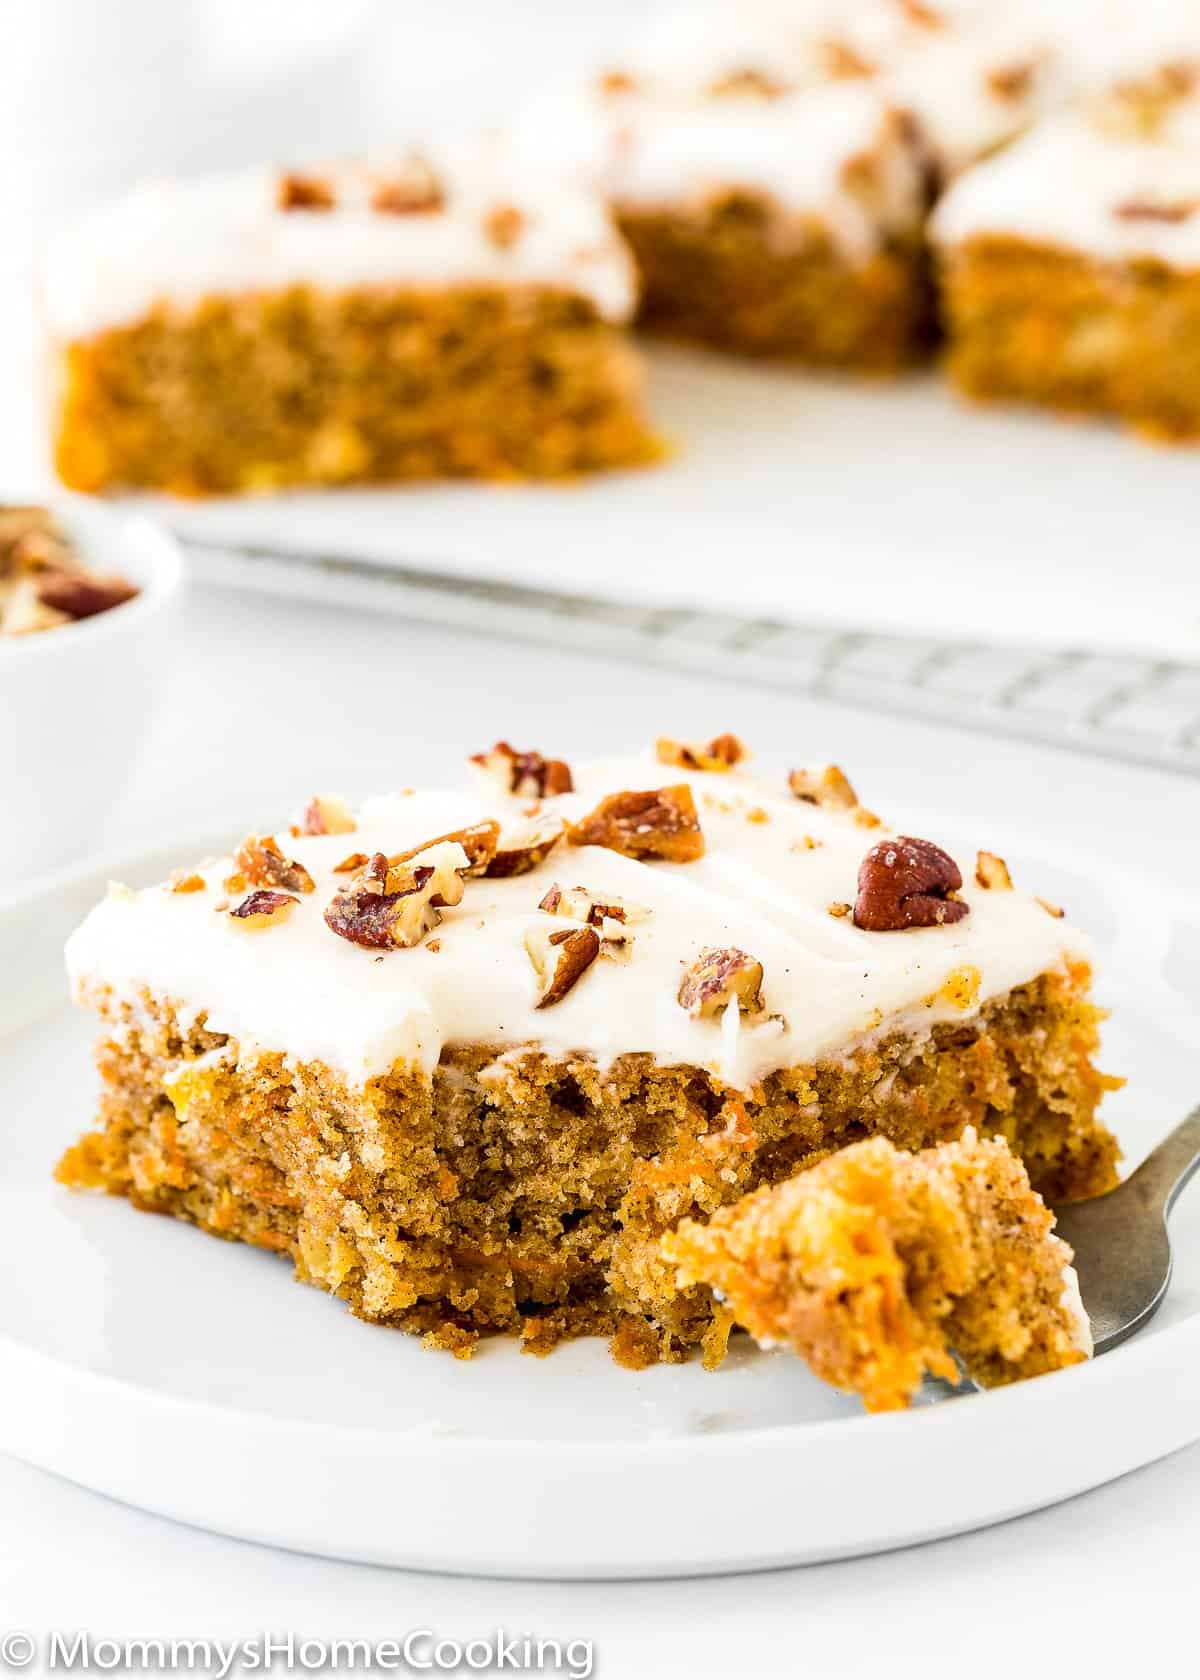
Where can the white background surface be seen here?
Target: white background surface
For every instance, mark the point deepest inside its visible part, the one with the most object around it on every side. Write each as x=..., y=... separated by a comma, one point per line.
x=268, y=698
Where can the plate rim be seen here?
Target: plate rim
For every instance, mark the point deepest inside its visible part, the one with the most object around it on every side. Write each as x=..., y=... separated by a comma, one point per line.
x=1054, y=1406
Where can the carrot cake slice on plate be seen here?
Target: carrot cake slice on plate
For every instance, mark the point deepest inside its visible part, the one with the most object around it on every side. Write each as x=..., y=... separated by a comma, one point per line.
x=432, y=318
x=465, y=1057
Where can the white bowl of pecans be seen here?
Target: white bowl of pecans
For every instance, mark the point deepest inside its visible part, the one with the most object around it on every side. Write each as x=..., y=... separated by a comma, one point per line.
x=86, y=598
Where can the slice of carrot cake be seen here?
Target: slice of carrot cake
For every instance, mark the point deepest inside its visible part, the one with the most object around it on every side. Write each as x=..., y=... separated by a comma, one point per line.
x=875, y=1264
x=764, y=220
x=430, y=319
x=1070, y=265
x=464, y=1057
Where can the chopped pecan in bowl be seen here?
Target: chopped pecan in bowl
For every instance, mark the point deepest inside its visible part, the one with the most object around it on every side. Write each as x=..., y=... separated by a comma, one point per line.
x=659, y=823
x=44, y=582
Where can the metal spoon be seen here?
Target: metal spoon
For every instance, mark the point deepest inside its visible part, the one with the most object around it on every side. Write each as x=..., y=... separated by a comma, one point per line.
x=1122, y=1249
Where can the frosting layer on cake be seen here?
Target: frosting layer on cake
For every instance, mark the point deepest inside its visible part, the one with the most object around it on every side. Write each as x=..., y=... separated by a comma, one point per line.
x=776, y=881
x=177, y=242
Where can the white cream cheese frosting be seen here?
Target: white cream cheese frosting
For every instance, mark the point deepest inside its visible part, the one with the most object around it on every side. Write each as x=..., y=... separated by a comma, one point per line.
x=178, y=241
x=772, y=868
x=1072, y=185
x=653, y=149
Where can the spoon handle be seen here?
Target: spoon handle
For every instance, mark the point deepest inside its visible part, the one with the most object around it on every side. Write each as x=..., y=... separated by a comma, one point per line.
x=1168, y=1167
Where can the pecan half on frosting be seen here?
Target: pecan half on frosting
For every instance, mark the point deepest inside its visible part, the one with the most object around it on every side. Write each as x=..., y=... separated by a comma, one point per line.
x=262, y=864
x=79, y=596
x=721, y=753
x=907, y=883
x=658, y=823
x=721, y=976
x=559, y=957
x=392, y=905
x=526, y=774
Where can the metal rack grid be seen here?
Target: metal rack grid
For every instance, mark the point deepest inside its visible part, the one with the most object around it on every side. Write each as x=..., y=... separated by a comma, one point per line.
x=1141, y=710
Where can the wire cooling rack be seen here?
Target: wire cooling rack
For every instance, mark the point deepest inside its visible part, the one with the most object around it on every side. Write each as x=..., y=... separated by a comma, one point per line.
x=1142, y=710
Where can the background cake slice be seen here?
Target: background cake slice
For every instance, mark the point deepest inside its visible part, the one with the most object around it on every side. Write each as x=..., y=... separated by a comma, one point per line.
x=465, y=1057
x=427, y=319
x=764, y=220
x=1070, y=265
x=875, y=1264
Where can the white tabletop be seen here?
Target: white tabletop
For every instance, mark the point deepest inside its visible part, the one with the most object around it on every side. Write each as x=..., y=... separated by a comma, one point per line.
x=270, y=700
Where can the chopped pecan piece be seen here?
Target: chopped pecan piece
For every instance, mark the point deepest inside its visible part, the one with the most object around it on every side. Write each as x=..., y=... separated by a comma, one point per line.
x=906, y=883
x=583, y=906
x=756, y=83
x=326, y=813
x=503, y=226
x=842, y=61
x=414, y=190
x=262, y=864
x=721, y=753
x=77, y=595
x=1157, y=210
x=479, y=842
x=305, y=192
x=518, y=857
x=263, y=909
x=1012, y=81
x=718, y=977
x=992, y=872
x=827, y=787
x=559, y=956
x=659, y=823
x=187, y=881
x=394, y=905
x=616, y=81
x=526, y=774
x=611, y=917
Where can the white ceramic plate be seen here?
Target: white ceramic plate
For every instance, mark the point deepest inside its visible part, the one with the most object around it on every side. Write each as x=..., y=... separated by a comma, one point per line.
x=884, y=506
x=195, y=1379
